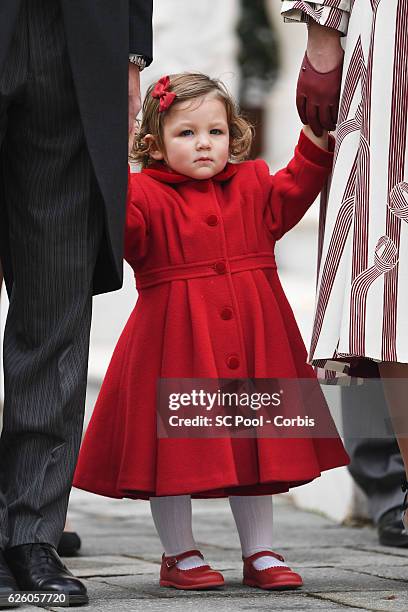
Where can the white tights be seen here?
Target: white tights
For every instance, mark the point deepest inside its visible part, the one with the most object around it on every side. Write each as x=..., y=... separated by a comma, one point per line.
x=253, y=517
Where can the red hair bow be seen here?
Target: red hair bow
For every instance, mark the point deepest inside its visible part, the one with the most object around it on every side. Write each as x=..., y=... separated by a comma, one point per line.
x=161, y=90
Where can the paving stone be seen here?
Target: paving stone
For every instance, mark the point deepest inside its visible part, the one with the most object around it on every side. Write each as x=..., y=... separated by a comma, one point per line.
x=379, y=601
x=108, y=565
x=27, y=608
x=343, y=568
x=390, y=571
x=389, y=550
x=341, y=579
x=267, y=603
x=315, y=580
x=344, y=557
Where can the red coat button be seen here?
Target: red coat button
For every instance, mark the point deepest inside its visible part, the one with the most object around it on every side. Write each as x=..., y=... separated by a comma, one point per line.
x=220, y=267
x=212, y=220
x=233, y=362
x=226, y=313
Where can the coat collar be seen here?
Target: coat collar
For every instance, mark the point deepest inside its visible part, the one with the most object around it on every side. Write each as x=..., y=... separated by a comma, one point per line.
x=162, y=173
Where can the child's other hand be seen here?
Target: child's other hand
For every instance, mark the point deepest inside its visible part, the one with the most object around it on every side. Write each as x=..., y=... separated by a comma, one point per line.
x=321, y=141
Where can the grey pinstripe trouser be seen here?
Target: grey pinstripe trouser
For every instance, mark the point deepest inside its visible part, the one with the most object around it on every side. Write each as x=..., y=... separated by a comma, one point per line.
x=55, y=226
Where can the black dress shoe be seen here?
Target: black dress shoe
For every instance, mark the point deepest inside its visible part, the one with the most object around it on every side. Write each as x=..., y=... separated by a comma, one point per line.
x=37, y=567
x=69, y=544
x=391, y=530
x=8, y=585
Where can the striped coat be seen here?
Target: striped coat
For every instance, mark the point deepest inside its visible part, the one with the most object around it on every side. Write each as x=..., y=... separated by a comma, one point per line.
x=362, y=290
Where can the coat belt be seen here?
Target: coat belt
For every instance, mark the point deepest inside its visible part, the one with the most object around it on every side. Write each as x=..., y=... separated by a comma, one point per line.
x=210, y=267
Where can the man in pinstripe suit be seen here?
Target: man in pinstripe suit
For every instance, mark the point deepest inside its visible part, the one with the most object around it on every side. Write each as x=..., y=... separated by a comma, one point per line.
x=66, y=68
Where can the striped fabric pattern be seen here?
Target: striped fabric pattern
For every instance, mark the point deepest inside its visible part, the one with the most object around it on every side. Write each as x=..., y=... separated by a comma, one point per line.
x=362, y=293
x=55, y=220
x=329, y=13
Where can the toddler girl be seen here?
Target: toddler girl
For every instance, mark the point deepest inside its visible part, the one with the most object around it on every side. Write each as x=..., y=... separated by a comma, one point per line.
x=200, y=234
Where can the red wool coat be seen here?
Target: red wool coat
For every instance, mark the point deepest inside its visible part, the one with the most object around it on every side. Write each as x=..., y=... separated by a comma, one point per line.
x=210, y=305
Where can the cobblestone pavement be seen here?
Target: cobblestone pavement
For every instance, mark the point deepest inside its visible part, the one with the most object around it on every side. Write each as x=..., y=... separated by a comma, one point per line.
x=343, y=568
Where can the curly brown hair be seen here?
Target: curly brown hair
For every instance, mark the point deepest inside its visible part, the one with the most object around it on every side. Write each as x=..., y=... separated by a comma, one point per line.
x=187, y=86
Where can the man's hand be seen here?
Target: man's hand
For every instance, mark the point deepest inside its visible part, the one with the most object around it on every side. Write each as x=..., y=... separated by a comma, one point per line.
x=135, y=101
x=318, y=88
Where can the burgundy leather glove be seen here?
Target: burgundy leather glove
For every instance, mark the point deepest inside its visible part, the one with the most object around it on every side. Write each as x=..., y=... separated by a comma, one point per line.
x=317, y=96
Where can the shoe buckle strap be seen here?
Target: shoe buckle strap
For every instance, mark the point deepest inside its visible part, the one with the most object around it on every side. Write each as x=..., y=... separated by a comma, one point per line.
x=264, y=553
x=172, y=561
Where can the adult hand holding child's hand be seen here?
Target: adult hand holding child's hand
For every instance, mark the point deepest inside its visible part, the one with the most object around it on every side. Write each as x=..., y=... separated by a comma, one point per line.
x=318, y=88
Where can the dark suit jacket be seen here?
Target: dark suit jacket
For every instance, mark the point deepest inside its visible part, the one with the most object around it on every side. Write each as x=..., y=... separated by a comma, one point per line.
x=101, y=33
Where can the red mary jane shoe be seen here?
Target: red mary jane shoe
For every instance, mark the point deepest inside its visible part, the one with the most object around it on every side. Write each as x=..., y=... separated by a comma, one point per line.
x=197, y=578
x=273, y=578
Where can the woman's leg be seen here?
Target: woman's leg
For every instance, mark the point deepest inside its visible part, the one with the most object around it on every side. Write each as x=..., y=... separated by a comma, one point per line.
x=395, y=382
x=172, y=517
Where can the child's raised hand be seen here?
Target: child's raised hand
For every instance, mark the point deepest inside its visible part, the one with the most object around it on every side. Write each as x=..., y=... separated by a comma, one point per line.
x=321, y=141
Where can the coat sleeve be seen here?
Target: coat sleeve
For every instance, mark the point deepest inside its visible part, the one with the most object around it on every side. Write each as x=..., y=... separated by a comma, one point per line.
x=140, y=28
x=136, y=225
x=290, y=192
x=330, y=13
